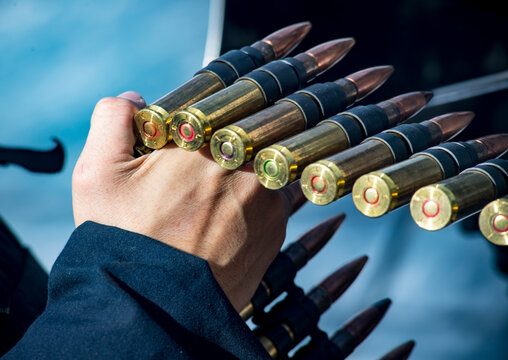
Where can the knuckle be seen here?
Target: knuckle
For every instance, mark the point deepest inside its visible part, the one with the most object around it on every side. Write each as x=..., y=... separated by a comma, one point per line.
x=113, y=106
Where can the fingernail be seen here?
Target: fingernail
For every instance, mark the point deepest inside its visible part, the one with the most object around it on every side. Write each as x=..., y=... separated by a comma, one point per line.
x=133, y=97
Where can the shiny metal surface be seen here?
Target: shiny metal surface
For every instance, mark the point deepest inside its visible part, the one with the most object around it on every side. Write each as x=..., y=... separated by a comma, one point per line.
x=292, y=155
x=494, y=221
x=436, y=206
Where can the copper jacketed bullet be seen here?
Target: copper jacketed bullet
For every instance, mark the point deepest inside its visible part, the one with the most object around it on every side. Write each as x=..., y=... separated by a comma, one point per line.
x=236, y=144
x=345, y=340
x=282, y=163
x=152, y=122
x=293, y=318
x=394, y=185
x=436, y=206
x=193, y=126
x=401, y=352
x=281, y=273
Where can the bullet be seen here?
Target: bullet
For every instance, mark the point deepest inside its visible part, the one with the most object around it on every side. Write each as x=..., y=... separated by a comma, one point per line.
x=401, y=352
x=282, y=163
x=152, y=122
x=293, y=318
x=494, y=221
x=236, y=144
x=345, y=340
x=329, y=179
x=281, y=273
x=436, y=206
x=395, y=184
x=192, y=127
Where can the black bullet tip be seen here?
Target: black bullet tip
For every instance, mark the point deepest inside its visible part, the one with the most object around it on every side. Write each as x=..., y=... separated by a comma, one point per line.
x=382, y=305
x=428, y=95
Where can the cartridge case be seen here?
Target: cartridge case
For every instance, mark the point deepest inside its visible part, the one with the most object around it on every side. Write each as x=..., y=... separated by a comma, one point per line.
x=327, y=180
x=194, y=124
x=379, y=192
x=436, y=206
x=295, y=113
x=282, y=163
x=152, y=122
x=494, y=221
x=235, y=144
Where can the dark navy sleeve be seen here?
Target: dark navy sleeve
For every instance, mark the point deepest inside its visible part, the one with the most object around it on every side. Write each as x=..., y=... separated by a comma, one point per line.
x=114, y=294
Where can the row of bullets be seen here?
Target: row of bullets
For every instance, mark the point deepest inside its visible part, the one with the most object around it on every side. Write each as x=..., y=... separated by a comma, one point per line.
x=295, y=317
x=249, y=105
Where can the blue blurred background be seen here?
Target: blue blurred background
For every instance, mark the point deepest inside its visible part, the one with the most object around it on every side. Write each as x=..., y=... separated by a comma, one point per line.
x=59, y=58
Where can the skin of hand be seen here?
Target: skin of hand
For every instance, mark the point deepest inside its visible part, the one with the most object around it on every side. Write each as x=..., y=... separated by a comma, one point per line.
x=183, y=199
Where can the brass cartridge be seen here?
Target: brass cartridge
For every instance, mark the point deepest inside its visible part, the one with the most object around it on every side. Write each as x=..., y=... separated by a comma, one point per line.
x=282, y=163
x=193, y=126
x=152, y=122
x=236, y=144
x=494, y=221
x=397, y=183
x=436, y=206
x=329, y=179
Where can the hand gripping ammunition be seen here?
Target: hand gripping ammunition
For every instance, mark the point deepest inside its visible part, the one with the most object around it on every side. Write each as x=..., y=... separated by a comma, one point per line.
x=395, y=184
x=282, y=163
x=237, y=143
x=329, y=179
x=494, y=221
x=152, y=122
x=345, y=340
x=401, y=352
x=436, y=206
x=297, y=315
x=281, y=273
x=192, y=127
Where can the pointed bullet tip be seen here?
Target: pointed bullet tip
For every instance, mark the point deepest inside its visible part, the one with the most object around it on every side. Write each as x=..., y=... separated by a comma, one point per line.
x=341, y=279
x=496, y=144
x=329, y=53
x=337, y=220
x=382, y=305
x=370, y=79
x=428, y=95
x=283, y=41
x=452, y=124
x=401, y=352
x=408, y=104
x=317, y=237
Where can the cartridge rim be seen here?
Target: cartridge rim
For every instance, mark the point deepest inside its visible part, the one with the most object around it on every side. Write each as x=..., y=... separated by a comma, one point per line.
x=275, y=167
x=152, y=126
x=373, y=194
x=494, y=222
x=433, y=207
x=231, y=147
x=190, y=129
x=322, y=182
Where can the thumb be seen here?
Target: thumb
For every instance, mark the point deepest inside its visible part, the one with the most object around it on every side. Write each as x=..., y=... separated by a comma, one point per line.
x=111, y=134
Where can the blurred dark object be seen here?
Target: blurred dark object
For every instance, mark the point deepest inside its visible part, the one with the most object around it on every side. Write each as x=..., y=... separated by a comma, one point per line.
x=502, y=258
x=430, y=43
x=23, y=289
x=50, y=161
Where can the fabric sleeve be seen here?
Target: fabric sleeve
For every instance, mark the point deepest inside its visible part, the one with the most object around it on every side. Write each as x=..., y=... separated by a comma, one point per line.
x=114, y=294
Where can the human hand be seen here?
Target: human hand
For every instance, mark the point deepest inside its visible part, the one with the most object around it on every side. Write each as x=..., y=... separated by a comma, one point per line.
x=183, y=199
